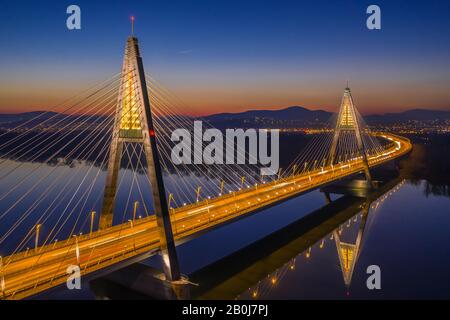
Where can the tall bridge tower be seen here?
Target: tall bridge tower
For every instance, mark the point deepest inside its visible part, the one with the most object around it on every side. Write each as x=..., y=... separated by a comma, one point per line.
x=133, y=124
x=348, y=123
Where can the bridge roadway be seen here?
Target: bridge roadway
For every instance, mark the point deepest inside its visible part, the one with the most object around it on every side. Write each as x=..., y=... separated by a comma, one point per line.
x=28, y=273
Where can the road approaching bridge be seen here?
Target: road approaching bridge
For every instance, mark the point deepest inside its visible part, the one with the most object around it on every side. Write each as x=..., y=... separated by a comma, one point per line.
x=27, y=273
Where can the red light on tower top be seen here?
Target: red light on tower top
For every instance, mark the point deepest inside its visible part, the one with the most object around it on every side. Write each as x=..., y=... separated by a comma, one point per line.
x=132, y=25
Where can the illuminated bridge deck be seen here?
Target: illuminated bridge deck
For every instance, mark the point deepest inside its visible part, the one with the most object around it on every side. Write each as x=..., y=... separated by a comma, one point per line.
x=28, y=273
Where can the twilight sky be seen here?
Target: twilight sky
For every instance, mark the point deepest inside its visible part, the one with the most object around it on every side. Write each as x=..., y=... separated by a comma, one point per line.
x=228, y=56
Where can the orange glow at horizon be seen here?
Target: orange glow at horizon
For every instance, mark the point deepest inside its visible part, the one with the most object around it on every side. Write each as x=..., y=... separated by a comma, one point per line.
x=202, y=99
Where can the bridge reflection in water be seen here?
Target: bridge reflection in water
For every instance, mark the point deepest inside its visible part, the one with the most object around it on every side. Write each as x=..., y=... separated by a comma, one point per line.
x=253, y=271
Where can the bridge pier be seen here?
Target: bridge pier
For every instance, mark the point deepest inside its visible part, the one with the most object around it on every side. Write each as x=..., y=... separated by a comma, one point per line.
x=327, y=197
x=356, y=188
x=139, y=281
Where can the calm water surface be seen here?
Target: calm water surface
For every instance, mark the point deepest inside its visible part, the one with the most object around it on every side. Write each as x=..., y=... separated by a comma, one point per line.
x=406, y=233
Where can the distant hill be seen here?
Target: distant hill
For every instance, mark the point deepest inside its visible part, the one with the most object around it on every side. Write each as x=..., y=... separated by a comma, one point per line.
x=290, y=117
x=409, y=115
x=18, y=117
x=31, y=119
x=290, y=113
x=294, y=116
x=300, y=116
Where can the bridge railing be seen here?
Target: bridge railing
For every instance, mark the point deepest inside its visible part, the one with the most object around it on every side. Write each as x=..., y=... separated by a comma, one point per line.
x=71, y=241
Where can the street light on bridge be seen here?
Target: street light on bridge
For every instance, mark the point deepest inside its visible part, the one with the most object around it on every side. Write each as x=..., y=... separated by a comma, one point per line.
x=36, y=240
x=135, y=207
x=2, y=277
x=92, y=222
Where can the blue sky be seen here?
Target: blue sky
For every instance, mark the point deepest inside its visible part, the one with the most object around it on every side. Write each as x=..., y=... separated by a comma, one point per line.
x=222, y=56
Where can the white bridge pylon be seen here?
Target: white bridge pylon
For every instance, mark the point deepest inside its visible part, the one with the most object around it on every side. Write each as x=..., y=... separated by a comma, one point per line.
x=133, y=123
x=349, y=123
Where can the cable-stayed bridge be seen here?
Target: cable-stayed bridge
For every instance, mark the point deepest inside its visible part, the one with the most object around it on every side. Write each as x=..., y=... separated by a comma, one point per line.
x=64, y=174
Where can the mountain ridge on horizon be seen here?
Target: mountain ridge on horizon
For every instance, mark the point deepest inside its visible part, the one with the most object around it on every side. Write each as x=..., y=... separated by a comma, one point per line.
x=291, y=113
x=411, y=114
x=256, y=110
x=310, y=109
x=281, y=114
